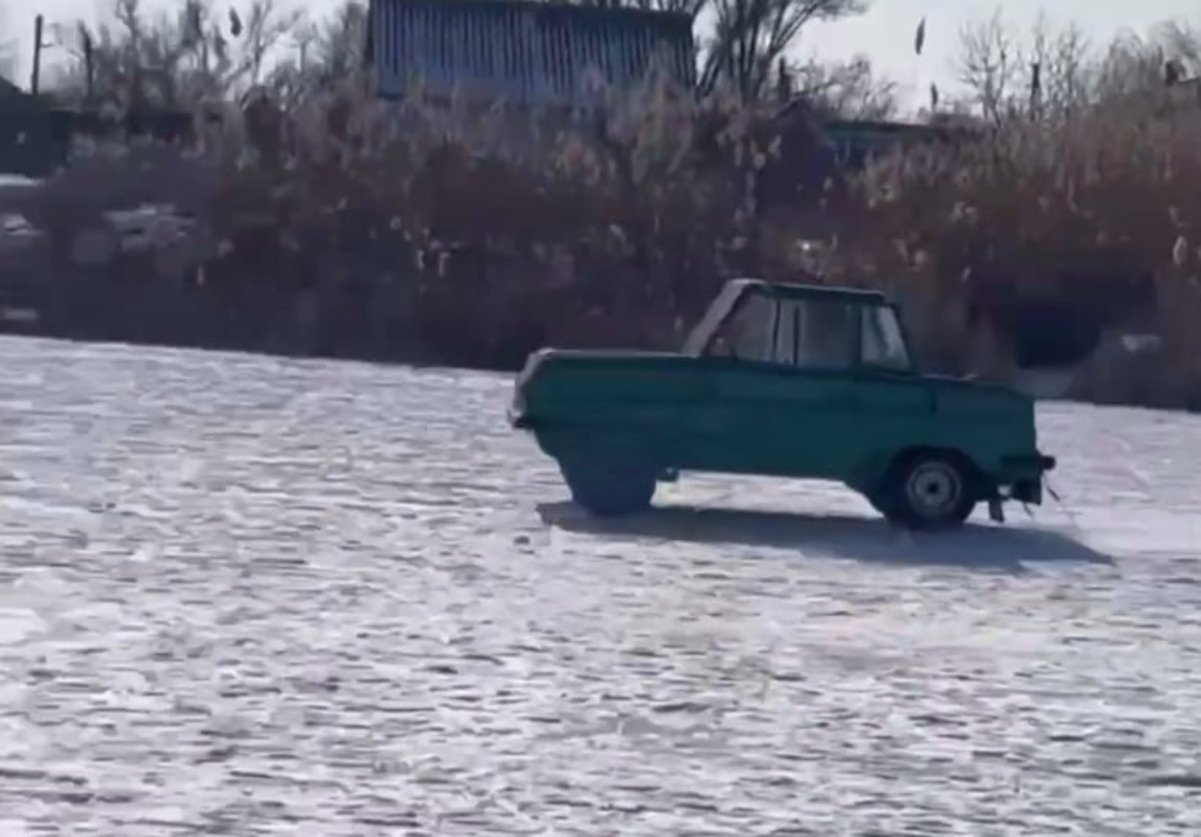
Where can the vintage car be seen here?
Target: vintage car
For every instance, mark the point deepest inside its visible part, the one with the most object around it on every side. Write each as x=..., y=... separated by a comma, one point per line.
x=784, y=380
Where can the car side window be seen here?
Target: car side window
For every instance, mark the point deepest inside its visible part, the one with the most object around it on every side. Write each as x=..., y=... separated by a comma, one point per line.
x=802, y=333
x=815, y=334
x=883, y=343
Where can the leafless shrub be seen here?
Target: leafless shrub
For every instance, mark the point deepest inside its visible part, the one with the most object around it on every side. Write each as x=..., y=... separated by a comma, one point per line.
x=470, y=233
x=1088, y=208
x=486, y=229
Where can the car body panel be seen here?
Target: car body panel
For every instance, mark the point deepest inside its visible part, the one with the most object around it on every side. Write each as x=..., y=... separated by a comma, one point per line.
x=690, y=411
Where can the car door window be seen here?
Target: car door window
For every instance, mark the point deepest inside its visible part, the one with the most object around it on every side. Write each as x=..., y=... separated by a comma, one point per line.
x=883, y=342
x=784, y=349
x=800, y=333
x=815, y=334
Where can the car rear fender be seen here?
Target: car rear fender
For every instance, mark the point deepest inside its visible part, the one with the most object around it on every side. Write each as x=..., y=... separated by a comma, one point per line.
x=874, y=473
x=569, y=442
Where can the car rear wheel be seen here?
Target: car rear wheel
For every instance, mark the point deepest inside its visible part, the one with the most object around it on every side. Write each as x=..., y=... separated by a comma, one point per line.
x=926, y=491
x=609, y=488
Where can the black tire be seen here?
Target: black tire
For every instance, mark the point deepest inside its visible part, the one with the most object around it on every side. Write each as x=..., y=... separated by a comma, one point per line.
x=882, y=504
x=928, y=491
x=610, y=488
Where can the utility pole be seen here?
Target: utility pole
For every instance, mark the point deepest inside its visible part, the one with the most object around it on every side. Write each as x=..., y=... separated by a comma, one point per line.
x=88, y=63
x=37, y=54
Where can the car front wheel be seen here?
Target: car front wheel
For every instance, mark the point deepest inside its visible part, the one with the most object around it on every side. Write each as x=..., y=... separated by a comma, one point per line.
x=928, y=491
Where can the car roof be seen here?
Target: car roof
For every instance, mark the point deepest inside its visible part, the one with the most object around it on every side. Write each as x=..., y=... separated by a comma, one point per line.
x=859, y=295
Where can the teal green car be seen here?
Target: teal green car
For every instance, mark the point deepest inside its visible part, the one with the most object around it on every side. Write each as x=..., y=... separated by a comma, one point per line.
x=788, y=381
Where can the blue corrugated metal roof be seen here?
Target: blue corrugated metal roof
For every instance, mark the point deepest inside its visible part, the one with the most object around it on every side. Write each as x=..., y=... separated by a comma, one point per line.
x=522, y=52
x=855, y=142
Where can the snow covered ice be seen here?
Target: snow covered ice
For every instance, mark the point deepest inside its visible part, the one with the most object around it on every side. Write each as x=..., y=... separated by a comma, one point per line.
x=245, y=595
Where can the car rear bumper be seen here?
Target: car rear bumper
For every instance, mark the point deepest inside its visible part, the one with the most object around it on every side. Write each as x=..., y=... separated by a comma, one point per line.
x=1025, y=476
x=1028, y=491
x=1036, y=462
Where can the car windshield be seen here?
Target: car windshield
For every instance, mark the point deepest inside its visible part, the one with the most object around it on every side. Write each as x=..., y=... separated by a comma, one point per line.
x=701, y=337
x=746, y=333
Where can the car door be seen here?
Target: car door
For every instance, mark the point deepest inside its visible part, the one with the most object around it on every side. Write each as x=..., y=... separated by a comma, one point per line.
x=893, y=404
x=781, y=405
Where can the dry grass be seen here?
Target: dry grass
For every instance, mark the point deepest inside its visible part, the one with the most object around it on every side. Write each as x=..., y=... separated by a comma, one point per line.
x=486, y=231
x=1093, y=214
x=469, y=235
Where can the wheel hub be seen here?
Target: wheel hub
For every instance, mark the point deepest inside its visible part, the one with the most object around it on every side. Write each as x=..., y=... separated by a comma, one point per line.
x=934, y=489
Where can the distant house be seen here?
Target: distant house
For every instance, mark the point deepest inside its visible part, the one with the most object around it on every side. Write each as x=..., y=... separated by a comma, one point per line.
x=36, y=135
x=819, y=157
x=855, y=142
x=817, y=151
x=29, y=142
x=521, y=52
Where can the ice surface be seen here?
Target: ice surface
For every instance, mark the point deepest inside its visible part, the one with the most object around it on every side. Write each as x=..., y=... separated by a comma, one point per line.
x=243, y=595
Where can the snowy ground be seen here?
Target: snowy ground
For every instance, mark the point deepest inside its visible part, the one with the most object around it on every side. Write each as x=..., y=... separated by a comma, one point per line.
x=243, y=595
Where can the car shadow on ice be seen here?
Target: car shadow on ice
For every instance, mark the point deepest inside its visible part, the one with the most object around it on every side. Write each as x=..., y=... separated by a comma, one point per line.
x=1008, y=548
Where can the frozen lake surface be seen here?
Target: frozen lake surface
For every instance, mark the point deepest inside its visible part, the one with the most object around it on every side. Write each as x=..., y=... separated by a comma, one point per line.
x=246, y=595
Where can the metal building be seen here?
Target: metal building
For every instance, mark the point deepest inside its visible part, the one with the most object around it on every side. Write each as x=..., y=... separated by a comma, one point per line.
x=522, y=52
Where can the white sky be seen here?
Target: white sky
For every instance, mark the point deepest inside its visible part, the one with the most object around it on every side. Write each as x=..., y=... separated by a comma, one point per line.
x=885, y=33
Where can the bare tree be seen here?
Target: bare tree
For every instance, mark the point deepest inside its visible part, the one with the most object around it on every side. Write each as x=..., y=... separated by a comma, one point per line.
x=988, y=65
x=323, y=52
x=1048, y=74
x=266, y=28
x=751, y=36
x=1139, y=69
x=688, y=7
x=173, y=60
x=1056, y=74
x=844, y=90
x=207, y=49
x=342, y=39
x=1181, y=41
x=8, y=49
